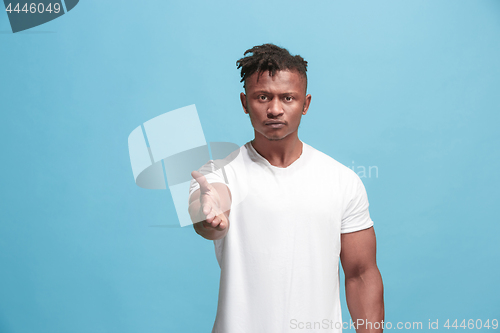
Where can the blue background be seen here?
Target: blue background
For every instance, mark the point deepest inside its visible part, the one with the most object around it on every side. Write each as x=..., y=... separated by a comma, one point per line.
x=411, y=87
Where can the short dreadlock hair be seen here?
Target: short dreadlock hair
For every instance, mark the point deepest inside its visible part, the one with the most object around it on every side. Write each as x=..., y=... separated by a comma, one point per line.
x=272, y=58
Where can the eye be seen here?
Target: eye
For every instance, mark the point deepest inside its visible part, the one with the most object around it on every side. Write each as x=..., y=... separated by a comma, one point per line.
x=288, y=98
x=263, y=97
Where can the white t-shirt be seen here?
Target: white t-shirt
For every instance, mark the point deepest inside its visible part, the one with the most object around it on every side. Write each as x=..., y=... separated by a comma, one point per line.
x=280, y=258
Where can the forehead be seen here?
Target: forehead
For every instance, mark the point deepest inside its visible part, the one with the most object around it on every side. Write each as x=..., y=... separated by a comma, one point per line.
x=282, y=80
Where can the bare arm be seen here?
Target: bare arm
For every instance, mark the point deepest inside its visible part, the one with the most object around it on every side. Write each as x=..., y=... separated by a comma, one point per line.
x=209, y=208
x=363, y=282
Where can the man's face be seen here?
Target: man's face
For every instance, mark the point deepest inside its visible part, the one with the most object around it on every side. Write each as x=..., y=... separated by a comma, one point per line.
x=275, y=104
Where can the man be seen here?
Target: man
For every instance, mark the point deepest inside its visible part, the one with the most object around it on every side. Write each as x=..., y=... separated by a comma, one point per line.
x=281, y=214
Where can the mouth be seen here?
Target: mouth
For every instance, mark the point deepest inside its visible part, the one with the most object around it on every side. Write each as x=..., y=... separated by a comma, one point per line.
x=275, y=124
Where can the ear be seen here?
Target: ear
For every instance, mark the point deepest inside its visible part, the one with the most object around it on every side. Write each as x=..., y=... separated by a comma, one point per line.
x=306, y=104
x=243, y=99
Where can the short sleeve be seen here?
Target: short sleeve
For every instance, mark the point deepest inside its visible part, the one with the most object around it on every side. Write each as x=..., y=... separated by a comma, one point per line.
x=212, y=173
x=356, y=215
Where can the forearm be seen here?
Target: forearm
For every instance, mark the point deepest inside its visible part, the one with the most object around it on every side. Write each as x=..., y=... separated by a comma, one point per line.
x=365, y=300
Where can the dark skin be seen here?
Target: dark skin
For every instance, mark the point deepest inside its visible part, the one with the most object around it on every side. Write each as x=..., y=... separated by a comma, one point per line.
x=363, y=282
x=280, y=98
x=276, y=105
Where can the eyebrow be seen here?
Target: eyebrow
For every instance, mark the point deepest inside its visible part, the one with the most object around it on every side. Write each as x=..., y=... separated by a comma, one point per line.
x=268, y=92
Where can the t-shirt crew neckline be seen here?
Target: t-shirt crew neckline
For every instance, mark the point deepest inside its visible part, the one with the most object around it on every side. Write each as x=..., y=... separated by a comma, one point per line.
x=262, y=159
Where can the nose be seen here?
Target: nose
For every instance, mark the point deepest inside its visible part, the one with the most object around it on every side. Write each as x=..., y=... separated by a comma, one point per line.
x=275, y=108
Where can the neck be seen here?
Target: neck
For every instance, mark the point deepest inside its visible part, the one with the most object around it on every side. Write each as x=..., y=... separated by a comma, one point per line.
x=279, y=153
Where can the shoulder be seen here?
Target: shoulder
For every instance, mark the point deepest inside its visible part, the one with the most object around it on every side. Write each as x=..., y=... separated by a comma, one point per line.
x=224, y=158
x=319, y=159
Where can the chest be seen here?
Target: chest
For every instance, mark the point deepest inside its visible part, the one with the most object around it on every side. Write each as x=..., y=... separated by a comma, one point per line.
x=299, y=197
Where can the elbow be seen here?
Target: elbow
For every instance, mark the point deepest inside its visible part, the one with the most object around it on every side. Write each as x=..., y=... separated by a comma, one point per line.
x=363, y=274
